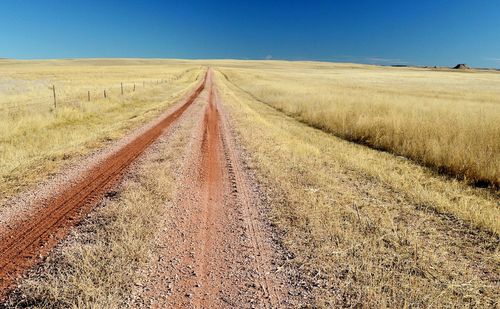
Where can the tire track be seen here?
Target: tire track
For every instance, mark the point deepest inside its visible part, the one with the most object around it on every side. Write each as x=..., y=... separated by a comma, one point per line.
x=242, y=195
x=217, y=253
x=33, y=237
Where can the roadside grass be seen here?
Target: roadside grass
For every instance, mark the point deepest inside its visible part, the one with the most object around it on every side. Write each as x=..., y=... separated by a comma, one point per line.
x=101, y=264
x=478, y=207
x=36, y=139
x=446, y=120
x=361, y=224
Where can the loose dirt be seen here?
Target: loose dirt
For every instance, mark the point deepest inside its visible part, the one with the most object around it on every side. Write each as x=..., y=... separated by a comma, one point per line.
x=217, y=252
x=24, y=241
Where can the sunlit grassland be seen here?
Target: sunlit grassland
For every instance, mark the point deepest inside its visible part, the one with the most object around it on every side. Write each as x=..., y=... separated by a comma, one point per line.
x=105, y=259
x=443, y=119
x=35, y=136
x=360, y=223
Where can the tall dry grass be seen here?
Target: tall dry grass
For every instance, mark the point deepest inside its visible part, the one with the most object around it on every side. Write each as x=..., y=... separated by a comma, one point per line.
x=360, y=223
x=446, y=120
x=35, y=137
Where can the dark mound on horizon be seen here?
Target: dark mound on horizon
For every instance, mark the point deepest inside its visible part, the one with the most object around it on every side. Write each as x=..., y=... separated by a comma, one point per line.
x=461, y=66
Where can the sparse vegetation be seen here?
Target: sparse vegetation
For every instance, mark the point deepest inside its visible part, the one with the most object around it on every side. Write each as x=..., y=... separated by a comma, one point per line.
x=103, y=261
x=35, y=138
x=360, y=223
x=446, y=120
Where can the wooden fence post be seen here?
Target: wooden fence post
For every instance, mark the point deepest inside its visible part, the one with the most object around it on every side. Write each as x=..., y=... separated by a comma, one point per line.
x=134, y=86
x=105, y=93
x=121, y=84
x=54, y=91
x=88, y=95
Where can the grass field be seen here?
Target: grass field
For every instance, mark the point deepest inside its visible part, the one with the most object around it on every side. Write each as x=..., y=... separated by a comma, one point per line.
x=35, y=137
x=407, y=227
x=444, y=119
x=360, y=223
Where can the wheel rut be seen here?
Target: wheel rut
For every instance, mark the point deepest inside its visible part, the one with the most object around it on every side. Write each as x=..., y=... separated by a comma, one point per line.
x=24, y=242
x=217, y=253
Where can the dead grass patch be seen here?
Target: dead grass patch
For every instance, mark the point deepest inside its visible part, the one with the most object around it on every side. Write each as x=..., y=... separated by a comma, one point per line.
x=362, y=224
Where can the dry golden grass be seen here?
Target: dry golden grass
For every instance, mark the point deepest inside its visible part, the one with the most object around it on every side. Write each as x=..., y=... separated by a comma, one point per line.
x=360, y=222
x=446, y=120
x=35, y=138
x=104, y=261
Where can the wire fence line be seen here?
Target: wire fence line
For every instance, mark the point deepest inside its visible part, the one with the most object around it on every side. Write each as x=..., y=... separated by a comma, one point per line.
x=58, y=95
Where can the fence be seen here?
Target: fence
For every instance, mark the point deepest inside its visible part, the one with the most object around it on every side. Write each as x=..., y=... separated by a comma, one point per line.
x=57, y=95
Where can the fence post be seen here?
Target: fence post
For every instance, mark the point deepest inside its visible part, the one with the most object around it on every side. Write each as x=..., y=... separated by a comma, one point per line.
x=105, y=93
x=54, y=91
x=88, y=95
x=134, y=86
x=121, y=84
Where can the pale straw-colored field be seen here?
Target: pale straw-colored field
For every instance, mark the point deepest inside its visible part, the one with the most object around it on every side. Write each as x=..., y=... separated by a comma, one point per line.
x=444, y=119
x=36, y=136
x=366, y=228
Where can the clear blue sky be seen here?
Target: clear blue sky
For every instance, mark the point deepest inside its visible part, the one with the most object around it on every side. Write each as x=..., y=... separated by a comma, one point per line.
x=425, y=32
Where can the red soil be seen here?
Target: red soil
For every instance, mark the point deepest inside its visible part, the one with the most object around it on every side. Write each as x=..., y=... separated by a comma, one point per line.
x=29, y=239
x=217, y=252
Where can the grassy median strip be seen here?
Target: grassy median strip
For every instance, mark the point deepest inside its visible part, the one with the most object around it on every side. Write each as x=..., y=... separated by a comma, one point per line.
x=361, y=223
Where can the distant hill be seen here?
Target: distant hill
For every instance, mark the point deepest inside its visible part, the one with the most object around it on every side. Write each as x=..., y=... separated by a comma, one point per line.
x=461, y=66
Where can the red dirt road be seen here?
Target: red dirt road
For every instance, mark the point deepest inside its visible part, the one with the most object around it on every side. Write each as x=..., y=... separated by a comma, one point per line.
x=217, y=252
x=28, y=239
